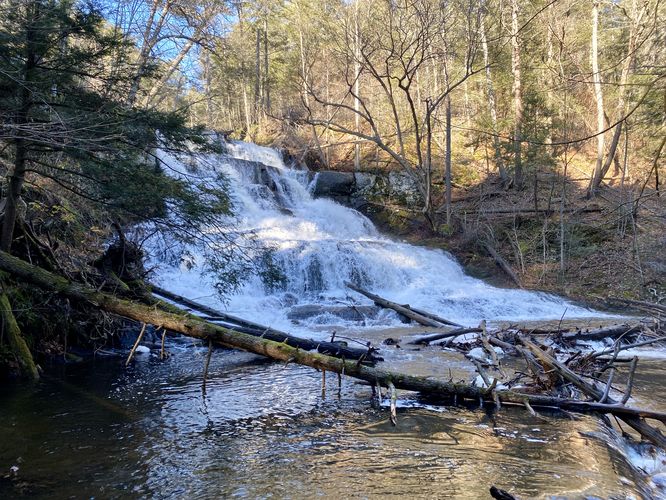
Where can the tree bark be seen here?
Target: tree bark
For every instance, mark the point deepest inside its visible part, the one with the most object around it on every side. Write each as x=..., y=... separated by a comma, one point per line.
x=257, y=75
x=597, y=176
x=267, y=89
x=337, y=349
x=357, y=87
x=621, y=103
x=17, y=177
x=517, y=97
x=492, y=108
x=447, y=160
x=17, y=343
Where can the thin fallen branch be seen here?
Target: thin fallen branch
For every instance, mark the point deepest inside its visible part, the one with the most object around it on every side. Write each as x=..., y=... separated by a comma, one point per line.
x=136, y=345
x=625, y=347
x=207, y=364
x=394, y=401
x=630, y=381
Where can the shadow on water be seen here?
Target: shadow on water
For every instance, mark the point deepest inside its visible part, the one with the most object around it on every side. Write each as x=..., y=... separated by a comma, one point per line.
x=262, y=430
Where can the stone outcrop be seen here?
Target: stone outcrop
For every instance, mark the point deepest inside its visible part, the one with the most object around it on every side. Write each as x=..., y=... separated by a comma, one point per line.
x=357, y=189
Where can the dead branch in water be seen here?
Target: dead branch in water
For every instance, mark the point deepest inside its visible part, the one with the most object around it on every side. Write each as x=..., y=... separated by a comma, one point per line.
x=405, y=310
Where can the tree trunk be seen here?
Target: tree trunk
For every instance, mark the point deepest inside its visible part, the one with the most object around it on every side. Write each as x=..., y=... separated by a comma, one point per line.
x=16, y=341
x=447, y=159
x=246, y=102
x=621, y=104
x=598, y=174
x=517, y=96
x=171, y=69
x=17, y=177
x=499, y=162
x=267, y=90
x=405, y=310
x=357, y=87
x=147, y=44
x=257, y=75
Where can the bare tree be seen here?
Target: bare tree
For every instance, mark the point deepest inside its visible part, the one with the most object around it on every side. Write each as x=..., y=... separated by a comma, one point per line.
x=393, y=53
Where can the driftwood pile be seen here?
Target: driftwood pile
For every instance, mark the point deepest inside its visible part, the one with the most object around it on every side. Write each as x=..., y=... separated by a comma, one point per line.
x=567, y=385
x=574, y=379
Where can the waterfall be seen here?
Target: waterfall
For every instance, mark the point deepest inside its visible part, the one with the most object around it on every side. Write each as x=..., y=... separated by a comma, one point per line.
x=319, y=244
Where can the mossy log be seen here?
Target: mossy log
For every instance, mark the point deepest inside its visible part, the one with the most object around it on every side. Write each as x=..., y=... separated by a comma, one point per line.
x=337, y=349
x=192, y=326
x=16, y=341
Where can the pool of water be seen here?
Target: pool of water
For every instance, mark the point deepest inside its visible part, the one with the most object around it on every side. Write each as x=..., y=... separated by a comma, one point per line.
x=262, y=429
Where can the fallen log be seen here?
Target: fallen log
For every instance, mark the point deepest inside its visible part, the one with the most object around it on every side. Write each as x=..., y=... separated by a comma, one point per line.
x=438, y=336
x=401, y=309
x=502, y=263
x=603, y=333
x=338, y=349
x=430, y=315
x=192, y=326
x=635, y=422
x=641, y=305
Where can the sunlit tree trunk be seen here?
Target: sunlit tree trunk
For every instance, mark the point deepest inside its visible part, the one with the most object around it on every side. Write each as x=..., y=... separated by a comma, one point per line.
x=597, y=176
x=517, y=96
x=357, y=86
x=492, y=108
x=267, y=90
x=635, y=17
x=257, y=75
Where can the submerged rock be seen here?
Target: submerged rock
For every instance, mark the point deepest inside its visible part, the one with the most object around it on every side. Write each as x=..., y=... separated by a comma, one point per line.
x=347, y=313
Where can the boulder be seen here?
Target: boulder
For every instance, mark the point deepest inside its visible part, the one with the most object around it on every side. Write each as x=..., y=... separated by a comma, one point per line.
x=347, y=313
x=334, y=184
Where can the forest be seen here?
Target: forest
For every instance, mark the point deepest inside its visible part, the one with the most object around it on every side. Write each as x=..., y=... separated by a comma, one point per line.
x=402, y=195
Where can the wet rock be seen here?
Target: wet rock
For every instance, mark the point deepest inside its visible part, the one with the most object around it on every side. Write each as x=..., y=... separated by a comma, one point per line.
x=258, y=173
x=347, y=313
x=334, y=184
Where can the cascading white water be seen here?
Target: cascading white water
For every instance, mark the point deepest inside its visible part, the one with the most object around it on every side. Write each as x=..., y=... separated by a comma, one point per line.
x=320, y=244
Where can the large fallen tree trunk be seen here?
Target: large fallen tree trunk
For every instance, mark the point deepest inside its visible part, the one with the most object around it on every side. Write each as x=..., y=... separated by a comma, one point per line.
x=401, y=309
x=338, y=349
x=193, y=326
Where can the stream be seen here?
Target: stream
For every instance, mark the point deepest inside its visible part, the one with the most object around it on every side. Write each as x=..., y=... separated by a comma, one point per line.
x=261, y=429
